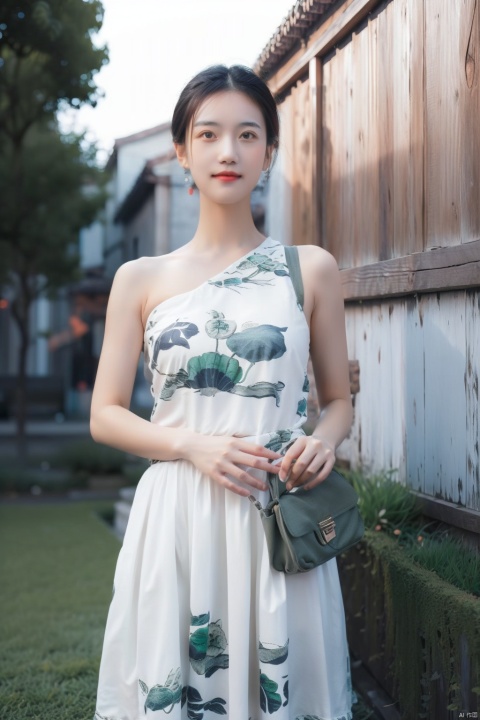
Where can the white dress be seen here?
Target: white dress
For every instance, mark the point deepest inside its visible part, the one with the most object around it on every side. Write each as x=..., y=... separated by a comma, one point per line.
x=200, y=625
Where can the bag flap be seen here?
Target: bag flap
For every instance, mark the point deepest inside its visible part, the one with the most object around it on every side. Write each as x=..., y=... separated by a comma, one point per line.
x=302, y=510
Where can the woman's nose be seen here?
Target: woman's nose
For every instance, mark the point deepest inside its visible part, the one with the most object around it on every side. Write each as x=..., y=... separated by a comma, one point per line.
x=228, y=150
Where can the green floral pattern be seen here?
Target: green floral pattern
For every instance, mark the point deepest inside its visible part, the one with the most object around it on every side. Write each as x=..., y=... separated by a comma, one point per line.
x=215, y=371
x=271, y=698
x=207, y=645
x=196, y=707
x=163, y=697
x=256, y=269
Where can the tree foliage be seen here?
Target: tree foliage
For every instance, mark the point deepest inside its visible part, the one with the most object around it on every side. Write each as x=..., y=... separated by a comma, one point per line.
x=49, y=184
x=60, y=192
x=47, y=58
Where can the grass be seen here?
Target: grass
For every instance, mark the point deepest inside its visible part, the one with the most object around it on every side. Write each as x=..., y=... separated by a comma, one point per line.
x=57, y=567
x=450, y=559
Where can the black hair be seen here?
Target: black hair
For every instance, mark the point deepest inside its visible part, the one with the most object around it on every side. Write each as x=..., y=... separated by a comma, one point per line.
x=218, y=78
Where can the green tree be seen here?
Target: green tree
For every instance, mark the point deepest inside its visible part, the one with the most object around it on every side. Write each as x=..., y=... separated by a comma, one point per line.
x=47, y=61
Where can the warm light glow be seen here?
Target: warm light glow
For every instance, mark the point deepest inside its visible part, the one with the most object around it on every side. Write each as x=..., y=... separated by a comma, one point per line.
x=3, y=304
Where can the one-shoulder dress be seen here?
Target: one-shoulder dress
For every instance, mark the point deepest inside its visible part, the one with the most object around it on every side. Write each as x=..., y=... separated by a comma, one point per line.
x=200, y=625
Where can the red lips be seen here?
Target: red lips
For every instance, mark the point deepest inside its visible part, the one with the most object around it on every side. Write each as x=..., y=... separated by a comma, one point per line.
x=227, y=174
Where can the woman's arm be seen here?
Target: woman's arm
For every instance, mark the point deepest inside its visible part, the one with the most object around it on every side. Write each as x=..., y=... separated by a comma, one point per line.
x=112, y=423
x=315, y=455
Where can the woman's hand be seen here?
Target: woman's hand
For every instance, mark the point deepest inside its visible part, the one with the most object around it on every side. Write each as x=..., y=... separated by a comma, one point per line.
x=307, y=462
x=220, y=455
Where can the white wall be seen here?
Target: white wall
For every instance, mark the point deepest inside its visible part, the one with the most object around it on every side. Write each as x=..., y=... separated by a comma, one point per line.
x=142, y=227
x=184, y=210
x=131, y=159
x=92, y=245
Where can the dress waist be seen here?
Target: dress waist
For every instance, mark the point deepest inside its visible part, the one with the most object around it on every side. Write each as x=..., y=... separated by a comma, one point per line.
x=277, y=440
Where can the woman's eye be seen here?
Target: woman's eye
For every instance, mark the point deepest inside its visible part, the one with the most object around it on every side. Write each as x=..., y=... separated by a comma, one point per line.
x=209, y=133
x=247, y=132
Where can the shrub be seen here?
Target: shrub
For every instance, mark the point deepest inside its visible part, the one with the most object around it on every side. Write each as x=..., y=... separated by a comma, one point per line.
x=384, y=503
x=87, y=457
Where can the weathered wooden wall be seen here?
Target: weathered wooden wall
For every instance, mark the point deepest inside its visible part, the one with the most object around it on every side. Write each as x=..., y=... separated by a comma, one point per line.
x=398, y=147
x=401, y=140
x=291, y=220
x=373, y=139
x=418, y=405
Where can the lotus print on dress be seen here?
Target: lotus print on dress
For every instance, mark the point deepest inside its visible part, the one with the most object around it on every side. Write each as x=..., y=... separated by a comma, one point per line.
x=207, y=646
x=261, y=265
x=163, y=697
x=213, y=372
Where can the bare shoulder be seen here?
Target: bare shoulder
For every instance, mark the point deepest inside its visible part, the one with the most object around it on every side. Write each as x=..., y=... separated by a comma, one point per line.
x=137, y=275
x=320, y=276
x=315, y=260
x=131, y=282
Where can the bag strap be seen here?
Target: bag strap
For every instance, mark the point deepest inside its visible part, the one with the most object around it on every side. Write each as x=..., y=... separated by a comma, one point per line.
x=291, y=256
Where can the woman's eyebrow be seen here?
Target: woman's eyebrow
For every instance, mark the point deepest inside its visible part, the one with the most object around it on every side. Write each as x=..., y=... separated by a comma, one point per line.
x=247, y=123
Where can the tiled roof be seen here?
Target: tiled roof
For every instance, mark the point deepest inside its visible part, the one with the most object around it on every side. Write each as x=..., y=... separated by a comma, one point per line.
x=304, y=17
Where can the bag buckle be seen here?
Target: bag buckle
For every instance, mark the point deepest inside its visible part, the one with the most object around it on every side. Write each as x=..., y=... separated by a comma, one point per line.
x=327, y=529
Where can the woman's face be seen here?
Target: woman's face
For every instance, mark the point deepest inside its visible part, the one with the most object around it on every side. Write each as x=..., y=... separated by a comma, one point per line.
x=227, y=135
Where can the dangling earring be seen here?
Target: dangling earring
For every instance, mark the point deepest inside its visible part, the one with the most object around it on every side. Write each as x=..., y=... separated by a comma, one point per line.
x=190, y=181
x=267, y=174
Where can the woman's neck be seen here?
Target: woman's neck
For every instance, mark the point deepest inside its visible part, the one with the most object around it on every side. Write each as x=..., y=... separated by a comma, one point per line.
x=225, y=227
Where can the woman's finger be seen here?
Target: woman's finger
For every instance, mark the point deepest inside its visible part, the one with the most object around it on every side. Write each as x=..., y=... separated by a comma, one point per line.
x=320, y=476
x=243, y=477
x=255, y=461
x=290, y=458
x=259, y=450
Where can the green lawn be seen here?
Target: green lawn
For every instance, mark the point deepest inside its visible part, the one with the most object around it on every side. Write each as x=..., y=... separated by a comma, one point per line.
x=56, y=567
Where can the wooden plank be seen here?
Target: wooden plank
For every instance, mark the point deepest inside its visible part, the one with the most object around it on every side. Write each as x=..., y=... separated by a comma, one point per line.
x=452, y=514
x=369, y=282
x=336, y=27
x=375, y=695
x=407, y=148
x=452, y=112
x=376, y=338
x=384, y=110
x=445, y=400
x=338, y=171
x=429, y=271
x=472, y=381
x=302, y=161
x=361, y=210
x=414, y=363
x=394, y=378
x=315, y=87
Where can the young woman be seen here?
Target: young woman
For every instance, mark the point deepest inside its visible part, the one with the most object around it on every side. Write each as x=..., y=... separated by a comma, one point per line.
x=200, y=625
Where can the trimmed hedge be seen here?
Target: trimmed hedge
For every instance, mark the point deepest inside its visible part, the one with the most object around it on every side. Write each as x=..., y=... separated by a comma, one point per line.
x=418, y=635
